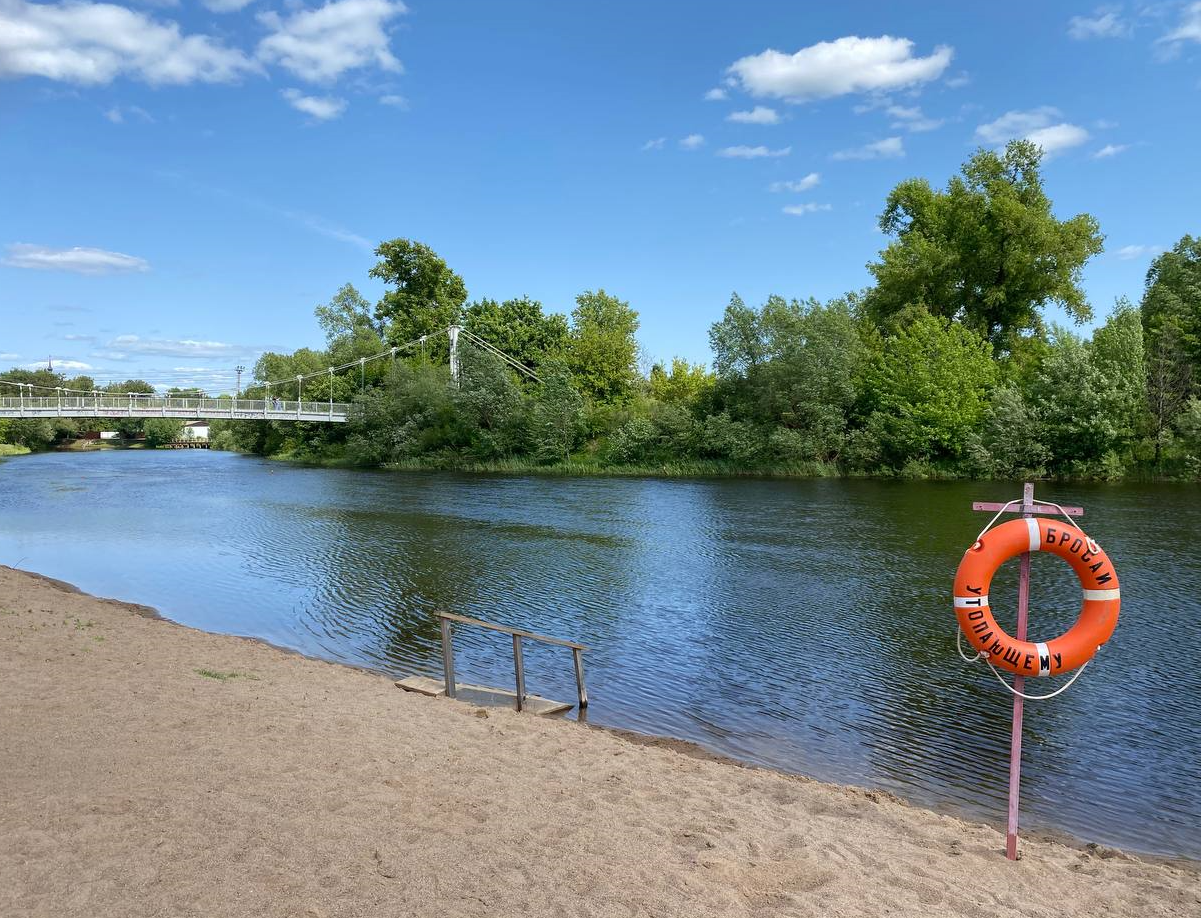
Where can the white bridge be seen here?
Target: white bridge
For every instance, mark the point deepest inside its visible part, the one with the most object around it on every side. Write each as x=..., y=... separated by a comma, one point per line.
x=134, y=405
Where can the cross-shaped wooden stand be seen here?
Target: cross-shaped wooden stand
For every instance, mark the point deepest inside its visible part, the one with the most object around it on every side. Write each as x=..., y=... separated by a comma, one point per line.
x=1027, y=509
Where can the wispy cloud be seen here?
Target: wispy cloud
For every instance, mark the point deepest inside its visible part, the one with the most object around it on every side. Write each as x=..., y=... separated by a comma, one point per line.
x=1111, y=149
x=117, y=114
x=716, y=94
x=124, y=345
x=655, y=144
x=1187, y=29
x=798, y=210
x=692, y=141
x=812, y=180
x=77, y=260
x=888, y=148
x=1040, y=126
x=836, y=68
x=911, y=119
x=1131, y=252
x=1106, y=22
x=59, y=364
x=395, y=101
x=752, y=152
x=760, y=114
x=323, y=108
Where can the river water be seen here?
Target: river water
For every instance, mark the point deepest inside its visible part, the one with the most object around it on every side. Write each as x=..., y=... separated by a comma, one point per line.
x=803, y=625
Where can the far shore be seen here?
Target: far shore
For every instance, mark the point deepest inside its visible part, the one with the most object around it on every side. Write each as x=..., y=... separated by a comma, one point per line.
x=148, y=768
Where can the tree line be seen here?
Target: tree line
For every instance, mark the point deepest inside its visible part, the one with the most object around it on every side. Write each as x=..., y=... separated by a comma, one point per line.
x=945, y=366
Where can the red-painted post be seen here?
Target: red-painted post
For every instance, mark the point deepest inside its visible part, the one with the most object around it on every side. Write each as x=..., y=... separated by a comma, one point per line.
x=1027, y=509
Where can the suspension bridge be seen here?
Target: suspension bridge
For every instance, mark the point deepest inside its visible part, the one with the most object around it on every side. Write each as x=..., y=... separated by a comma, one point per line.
x=33, y=401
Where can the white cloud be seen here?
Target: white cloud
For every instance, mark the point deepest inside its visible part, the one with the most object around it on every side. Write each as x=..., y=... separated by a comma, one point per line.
x=59, y=364
x=798, y=210
x=912, y=119
x=888, y=148
x=760, y=114
x=7, y=356
x=323, y=108
x=117, y=115
x=959, y=80
x=1189, y=28
x=1104, y=23
x=655, y=144
x=1131, y=252
x=692, y=141
x=836, y=68
x=1038, y=126
x=715, y=95
x=94, y=43
x=1111, y=149
x=319, y=45
x=395, y=101
x=752, y=152
x=77, y=260
x=226, y=6
x=812, y=180
x=184, y=347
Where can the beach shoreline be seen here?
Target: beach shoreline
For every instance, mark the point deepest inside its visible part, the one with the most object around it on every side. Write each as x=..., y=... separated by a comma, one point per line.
x=221, y=763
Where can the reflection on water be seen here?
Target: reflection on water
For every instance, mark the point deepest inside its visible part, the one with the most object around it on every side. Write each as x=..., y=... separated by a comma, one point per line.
x=802, y=625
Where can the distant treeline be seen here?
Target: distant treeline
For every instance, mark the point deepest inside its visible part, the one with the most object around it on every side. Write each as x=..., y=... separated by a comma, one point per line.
x=944, y=367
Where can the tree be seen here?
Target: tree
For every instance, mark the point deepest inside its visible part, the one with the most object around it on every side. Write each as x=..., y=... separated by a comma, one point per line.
x=518, y=328
x=1173, y=295
x=1169, y=379
x=490, y=404
x=987, y=251
x=161, y=430
x=428, y=295
x=1117, y=352
x=603, y=353
x=737, y=340
x=349, y=330
x=556, y=416
x=687, y=384
x=927, y=388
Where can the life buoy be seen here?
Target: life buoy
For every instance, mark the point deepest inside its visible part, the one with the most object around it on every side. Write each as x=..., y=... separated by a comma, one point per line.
x=1078, y=644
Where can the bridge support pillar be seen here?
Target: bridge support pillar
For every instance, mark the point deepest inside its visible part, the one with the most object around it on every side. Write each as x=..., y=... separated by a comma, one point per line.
x=453, y=331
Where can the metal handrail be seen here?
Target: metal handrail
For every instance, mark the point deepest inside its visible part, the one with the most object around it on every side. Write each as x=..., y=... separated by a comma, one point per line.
x=445, y=620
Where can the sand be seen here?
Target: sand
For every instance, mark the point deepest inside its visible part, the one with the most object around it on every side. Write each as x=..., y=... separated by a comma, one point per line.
x=132, y=783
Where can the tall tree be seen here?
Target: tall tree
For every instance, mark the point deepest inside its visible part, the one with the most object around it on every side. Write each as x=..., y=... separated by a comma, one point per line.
x=349, y=330
x=427, y=296
x=737, y=339
x=519, y=328
x=604, y=351
x=1173, y=293
x=987, y=251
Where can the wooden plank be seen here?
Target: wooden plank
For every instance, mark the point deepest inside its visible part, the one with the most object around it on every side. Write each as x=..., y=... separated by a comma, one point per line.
x=483, y=695
x=1044, y=509
x=505, y=629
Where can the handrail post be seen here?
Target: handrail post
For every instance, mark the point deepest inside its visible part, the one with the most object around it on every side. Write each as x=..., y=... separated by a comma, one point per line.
x=519, y=671
x=448, y=659
x=578, y=659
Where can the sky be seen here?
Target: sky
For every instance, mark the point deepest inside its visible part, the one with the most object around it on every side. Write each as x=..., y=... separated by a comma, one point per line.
x=182, y=182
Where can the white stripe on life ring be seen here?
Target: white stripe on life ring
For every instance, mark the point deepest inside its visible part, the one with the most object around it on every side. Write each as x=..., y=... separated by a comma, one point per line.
x=1102, y=594
x=1044, y=658
x=1036, y=538
x=971, y=602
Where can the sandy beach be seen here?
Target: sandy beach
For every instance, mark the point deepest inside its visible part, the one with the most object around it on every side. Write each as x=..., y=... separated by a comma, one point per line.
x=150, y=769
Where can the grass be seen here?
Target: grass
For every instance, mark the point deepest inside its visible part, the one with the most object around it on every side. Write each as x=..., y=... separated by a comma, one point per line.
x=11, y=449
x=225, y=676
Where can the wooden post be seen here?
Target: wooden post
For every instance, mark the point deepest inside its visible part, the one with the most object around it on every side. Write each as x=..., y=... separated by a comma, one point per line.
x=519, y=671
x=578, y=659
x=448, y=659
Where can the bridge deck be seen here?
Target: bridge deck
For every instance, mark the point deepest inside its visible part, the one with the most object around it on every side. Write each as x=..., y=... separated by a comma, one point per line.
x=141, y=406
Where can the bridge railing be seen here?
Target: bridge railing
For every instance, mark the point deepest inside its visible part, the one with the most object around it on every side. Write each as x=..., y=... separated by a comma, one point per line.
x=142, y=406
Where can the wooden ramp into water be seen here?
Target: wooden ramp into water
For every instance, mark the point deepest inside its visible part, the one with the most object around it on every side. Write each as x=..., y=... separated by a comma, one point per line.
x=487, y=694
x=484, y=695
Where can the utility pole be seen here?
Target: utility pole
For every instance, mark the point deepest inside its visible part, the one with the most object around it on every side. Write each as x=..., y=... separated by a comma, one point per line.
x=238, y=369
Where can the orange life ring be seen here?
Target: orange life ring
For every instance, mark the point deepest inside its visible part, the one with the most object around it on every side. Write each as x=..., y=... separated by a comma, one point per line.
x=1078, y=644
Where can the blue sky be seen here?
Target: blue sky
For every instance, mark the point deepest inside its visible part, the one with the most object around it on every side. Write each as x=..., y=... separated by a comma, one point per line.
x=181, y=182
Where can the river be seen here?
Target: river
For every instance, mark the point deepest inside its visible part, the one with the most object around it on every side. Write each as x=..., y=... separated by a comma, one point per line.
x=802, y=625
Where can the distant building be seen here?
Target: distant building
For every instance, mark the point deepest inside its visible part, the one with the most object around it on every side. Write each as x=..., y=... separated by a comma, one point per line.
x=195, y=430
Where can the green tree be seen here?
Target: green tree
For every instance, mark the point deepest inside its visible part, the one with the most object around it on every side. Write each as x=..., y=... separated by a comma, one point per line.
x=604, y=350
x=1118, y=354
x=987, y=251
x=687, y=384
x=927, y=388
x=490, y=404
x=161, y=430
x=427, y=296
x=349, y=330
x=1169, y=379
x=1173, y=296
x=737, y=340
x=556, y=416
x=519, y=328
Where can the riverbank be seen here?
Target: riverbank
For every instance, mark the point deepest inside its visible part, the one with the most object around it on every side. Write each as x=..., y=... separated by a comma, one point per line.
x=150, y=768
